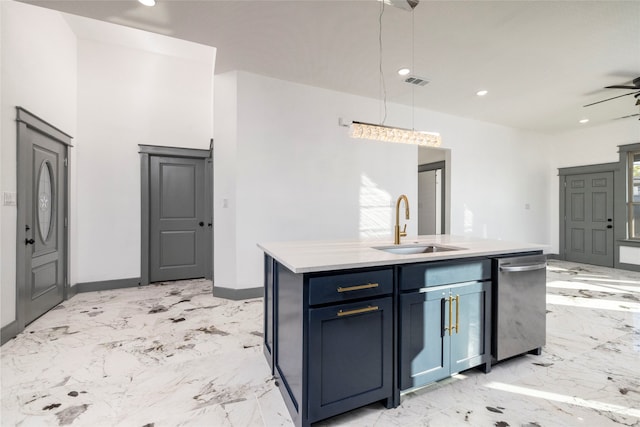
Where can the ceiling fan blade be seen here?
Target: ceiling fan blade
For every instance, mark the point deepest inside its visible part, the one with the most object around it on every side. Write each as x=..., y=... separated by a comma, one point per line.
x=621, y=87
x=609, y=99
x=626, y=117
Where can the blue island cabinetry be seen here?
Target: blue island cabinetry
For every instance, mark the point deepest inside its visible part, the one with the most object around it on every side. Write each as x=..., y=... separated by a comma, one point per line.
x=340, y=339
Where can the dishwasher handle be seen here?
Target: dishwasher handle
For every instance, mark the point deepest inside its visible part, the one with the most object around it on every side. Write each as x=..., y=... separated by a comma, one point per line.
x=523, y=267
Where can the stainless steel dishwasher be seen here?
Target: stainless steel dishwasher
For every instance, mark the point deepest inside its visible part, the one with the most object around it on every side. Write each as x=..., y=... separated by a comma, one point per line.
x=519, y=305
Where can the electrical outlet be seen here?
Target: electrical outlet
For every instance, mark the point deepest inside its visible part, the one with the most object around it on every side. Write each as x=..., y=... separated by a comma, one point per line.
x=9, y=198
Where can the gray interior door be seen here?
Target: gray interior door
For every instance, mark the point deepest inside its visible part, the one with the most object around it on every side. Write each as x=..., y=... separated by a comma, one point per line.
x=589, y=218
x=177, y=235
x=44, y=217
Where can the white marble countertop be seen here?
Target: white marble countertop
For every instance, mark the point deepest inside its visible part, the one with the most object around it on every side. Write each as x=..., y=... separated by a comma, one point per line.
x=326, y=255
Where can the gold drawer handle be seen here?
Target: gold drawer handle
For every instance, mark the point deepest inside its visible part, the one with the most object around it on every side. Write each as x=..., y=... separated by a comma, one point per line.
x=358, y=311
x=358, y=287
x=457, y=314
x=451, y=327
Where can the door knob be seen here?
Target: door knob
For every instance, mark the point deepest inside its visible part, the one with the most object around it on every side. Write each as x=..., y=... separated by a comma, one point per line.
x=29, y=241
x=609, y=226
x=201, y=224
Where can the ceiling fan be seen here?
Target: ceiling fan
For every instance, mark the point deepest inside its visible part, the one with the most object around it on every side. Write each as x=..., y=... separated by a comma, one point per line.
x=635, y=86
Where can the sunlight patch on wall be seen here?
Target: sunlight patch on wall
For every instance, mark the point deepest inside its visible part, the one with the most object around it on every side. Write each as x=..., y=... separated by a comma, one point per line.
x=468, y=220
x=375, y=211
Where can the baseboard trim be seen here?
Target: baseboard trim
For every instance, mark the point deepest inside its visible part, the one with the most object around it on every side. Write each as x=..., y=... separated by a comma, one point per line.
x=630, y=267
x=106, y=285
x=72, y=291
x=8, y=332
x=237, y=294
x=554, y=256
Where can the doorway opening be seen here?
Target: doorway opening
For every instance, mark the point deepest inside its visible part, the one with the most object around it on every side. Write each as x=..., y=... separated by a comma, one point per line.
x=431, y=198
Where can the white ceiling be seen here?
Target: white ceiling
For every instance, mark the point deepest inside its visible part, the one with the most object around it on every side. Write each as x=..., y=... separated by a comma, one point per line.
x=541, y=61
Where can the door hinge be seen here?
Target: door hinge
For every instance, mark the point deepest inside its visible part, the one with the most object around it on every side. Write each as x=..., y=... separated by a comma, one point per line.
x=66, y=162
x=66, y=222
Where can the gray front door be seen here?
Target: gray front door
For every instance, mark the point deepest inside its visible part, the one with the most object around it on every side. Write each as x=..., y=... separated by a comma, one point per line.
x=42, y=215
x=177, y=234
x=589, y=218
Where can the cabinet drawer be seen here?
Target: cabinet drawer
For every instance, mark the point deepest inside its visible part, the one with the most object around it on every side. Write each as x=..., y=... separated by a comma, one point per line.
x=424, y=275
x=348, y=286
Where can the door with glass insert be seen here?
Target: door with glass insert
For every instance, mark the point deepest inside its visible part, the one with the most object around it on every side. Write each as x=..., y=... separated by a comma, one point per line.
x=44, y=227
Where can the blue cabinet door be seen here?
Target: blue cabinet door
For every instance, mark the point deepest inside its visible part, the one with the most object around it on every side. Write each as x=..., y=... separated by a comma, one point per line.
x=469, y=341
x=350, y=358
x=443, y=330
x=424, y=338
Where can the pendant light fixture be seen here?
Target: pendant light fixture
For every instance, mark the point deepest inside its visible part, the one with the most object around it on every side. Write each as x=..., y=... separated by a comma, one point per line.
x=393, y=134
x=381, y=132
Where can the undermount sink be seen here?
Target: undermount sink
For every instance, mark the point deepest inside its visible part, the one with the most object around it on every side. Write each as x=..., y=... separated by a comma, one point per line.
x=416, y=249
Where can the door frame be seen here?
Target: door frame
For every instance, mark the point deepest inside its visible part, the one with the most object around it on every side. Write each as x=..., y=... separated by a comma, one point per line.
x=614, y=168
x=146, y=152
x=442, y=165
x=28, y=121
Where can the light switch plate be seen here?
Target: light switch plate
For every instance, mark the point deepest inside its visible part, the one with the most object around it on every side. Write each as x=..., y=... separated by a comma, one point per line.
x=9, y=198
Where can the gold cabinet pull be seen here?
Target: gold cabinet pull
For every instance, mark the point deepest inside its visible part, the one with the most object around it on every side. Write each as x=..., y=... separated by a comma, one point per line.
x=450, y=314
x=358, y=311
x=358, y=287
x=457, y=313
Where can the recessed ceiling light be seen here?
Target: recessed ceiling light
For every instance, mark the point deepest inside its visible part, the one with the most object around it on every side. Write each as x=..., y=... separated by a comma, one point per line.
x=148, y=2
x=404, y=71
x=482, y=92
x=583, y=121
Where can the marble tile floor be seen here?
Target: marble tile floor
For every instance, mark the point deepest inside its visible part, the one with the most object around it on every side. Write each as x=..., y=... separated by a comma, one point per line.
x=170, y=354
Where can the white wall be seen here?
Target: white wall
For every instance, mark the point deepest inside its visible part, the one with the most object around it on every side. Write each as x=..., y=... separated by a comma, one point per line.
x=498, y=181
x=586, y=146
x=224, y=178
x=38, y=73
x=299, y=176
x=127, y=97
x=593, y=145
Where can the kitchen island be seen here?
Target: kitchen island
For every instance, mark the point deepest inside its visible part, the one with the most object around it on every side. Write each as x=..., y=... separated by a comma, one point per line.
x=349, y=323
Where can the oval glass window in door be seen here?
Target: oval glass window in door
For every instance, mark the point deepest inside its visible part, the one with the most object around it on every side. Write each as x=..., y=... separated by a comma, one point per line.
x=45, y=200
